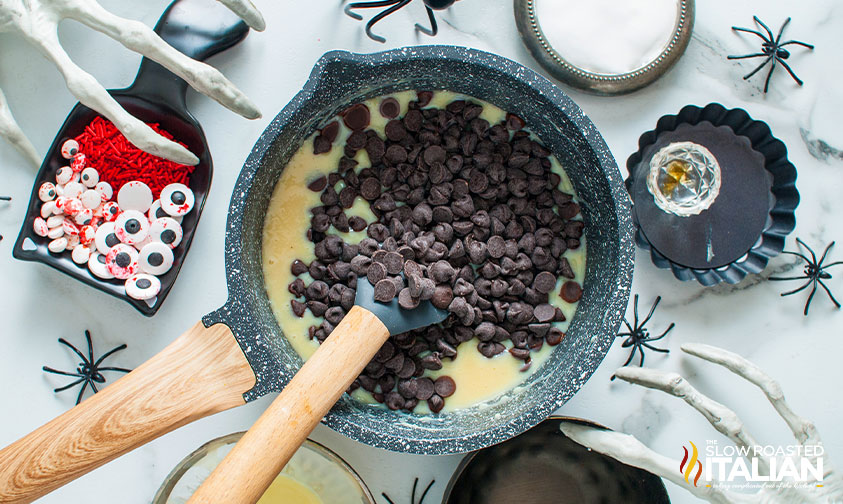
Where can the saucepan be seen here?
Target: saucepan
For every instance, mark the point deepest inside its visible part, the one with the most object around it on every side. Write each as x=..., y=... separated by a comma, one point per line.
x=238, y=353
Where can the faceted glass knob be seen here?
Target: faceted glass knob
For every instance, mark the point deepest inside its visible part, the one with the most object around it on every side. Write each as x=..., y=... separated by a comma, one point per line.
x=684, y=178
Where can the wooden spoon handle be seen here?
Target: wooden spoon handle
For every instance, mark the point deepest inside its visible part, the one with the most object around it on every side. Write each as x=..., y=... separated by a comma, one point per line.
x=255, y=461
x=201, y=373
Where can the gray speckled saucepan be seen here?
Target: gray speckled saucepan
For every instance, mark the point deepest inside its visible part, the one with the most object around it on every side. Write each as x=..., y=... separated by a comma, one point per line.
x=204, y=371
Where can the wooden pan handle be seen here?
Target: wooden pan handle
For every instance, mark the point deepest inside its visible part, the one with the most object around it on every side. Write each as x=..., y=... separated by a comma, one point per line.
x=201, y=373
x=255, y=461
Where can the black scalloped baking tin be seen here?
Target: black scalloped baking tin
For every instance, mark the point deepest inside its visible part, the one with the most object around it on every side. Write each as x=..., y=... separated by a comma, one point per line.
x=768, y=238
x=543, y=466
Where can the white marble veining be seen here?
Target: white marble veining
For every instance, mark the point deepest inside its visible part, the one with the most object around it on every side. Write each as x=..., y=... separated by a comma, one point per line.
x=40, y=305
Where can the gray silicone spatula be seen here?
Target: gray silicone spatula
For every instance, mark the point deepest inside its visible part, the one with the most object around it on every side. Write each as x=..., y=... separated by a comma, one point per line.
x=254, y=462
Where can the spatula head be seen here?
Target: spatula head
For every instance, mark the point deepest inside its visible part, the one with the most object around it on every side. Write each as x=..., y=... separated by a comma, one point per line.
x=395, y=318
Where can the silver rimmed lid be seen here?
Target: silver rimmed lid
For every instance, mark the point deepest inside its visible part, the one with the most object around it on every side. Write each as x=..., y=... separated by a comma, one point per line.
x=592, y=79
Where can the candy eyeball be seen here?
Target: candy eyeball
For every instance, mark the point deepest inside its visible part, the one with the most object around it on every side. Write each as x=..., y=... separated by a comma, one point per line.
x=77, y=163
x=58, y=245
x=47, y=192
x=69, y=227
x=55, y=221
x=80, y=254
x=69, y=149
x=87, y=235
x=84, y=217
x=90, y=177
x=110, y=211
x=105, y=238
x=47, y=209
x=64, y=175
x=131, y=227
x=90, y=199
x=177, y=199
x=122, y=261
x=167, y=231
x=105, y=190
x=72, y=241
x=96, y=263
x=73, y=189
x=39, y=227
x=143, y=286
x=72, y=206
x=55, y=232
x=156, y=212
x=156, y=258
x=134, y=195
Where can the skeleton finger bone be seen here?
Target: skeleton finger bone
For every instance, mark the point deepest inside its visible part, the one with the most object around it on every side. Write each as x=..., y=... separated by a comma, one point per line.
x=630, y=451
x=140, y=38
x=247, y=12
x=10, y=130
x=91, y=94
x=803, y=430
x=722, y=418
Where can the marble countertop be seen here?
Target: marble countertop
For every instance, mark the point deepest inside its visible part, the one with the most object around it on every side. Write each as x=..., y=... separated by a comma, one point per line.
x=40, y=305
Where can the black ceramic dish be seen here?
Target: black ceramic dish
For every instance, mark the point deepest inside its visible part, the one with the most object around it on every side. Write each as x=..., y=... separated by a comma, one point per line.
x=161, y=398
x=199, y=29
x=542, y=466
x=767, y=215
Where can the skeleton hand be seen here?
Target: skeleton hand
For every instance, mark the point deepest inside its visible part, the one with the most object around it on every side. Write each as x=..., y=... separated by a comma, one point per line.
x=628, y=450
x=37, y=22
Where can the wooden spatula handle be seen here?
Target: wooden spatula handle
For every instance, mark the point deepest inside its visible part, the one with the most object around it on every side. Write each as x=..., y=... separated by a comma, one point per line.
x=255, y=461
x=201, y=373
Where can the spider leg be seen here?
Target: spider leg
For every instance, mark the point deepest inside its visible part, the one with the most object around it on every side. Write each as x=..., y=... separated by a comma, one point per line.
x=75, y=350
x=424, y=494
x=750, y=74
x=652, y=310
x=790, y=42
x=434, y=29
x=756, y=55
x=641, y=359
x=781, y=30
x=63, y=373
x=69, y=385
x=828, y=291
x=413, y=495
x=800, y=289
x=90, y=346
x=810, y=298
x=662, y=350
x=366, y=5
x=797, y=254
x=747, y=30
x=382, y=14
x=635, y=310
x=79, y=397
x=825, y=253
x=94, y=386
x=110, y=352
x=387, y=498
x=775, y=279
x=662, y=335
x=631, y=355
x=836, y=263
x=626, y=323
x=122, y=370
x=813, y=255
x=767, y=28
x=792, y=74
x=770, y=73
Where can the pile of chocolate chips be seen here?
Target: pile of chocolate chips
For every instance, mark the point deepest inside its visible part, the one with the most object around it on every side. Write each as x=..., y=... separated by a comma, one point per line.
x=469, y=216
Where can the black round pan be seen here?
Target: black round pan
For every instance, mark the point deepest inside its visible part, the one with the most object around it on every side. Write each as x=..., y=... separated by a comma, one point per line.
x=238, y=352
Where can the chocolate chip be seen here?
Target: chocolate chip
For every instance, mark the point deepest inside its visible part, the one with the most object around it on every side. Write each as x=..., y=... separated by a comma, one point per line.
x=434, y=154
x=424, y=389
x=317, y=308
x=376, y=273
x=407, y=388
x=357, y=223
x=390, y=108
x=370, y=188
x=442, y=297
x=321, y=145
x=496, y=247
x=330, y=131
x=445, y=386
x=431, y=361
x=296, y=287
x=318, y=184
x=406, y=299
x=485, y=331
x=298, y=267
x=554, y=337
x=544, y=282
x=435, y=403
x=395, y=131
x=571, y=292
x=317, y=290
x=423, y=98
x=298, y=307
x=356, y=117
x=489, y=348
x=544, y=312
x=514, y=122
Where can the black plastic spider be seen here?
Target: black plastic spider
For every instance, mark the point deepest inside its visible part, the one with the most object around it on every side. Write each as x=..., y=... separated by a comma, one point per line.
x=394, y=5
x=815, y=273
x=772, y=49
x=89, y=370
x=413, y=498
x=638, y=336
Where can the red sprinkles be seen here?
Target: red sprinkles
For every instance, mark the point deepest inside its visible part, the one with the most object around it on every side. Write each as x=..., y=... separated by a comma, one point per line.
x=119, y=162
